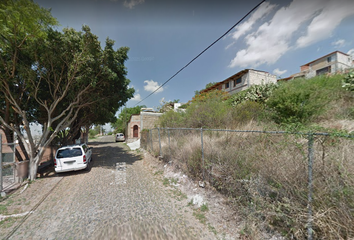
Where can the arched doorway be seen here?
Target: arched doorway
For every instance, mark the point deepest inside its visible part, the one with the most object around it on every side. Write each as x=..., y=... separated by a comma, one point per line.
x=135, y=131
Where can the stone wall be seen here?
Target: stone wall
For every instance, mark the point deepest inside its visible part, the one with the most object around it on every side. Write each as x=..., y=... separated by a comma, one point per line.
x=134, y=121
x=145, y=120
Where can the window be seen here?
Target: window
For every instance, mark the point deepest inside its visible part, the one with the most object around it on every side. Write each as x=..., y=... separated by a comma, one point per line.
x=329, y=59
x=323, y=70
x=227, y=85
x=237, y=81
x=69, y=152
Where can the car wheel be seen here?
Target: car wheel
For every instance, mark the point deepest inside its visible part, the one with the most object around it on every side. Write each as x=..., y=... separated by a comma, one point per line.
x=88, y=167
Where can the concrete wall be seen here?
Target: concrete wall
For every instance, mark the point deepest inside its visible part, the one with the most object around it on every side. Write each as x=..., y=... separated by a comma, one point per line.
x=148, y=120
x=251, y=78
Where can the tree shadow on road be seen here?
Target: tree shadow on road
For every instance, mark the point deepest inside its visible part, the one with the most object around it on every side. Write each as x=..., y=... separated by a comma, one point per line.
x=107, y=155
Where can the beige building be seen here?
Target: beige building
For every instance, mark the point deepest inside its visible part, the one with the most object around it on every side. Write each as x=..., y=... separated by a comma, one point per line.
x=137, y=122
x=243, y=80
x=335, y=62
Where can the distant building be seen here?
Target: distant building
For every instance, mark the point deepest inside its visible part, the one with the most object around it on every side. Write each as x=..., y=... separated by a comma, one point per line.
x=243, y=80
x=137, y=122
x=335, y=62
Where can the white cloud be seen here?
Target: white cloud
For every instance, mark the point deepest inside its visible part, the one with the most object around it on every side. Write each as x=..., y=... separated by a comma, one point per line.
x=152, y=86
x=351, y=52
x=338, y=44
x=132, y=3
x=245, y=27
x=300, y=24
x=136, y=97
x=279, y=72
x=332, y=12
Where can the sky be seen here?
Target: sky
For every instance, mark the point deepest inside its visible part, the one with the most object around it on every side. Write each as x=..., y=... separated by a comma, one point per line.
x=164, y=35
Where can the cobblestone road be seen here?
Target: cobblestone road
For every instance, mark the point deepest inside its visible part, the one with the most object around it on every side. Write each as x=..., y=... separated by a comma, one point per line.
x=118, y=199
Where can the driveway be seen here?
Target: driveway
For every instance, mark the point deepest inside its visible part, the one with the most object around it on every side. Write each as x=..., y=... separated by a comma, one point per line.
x=119, y=198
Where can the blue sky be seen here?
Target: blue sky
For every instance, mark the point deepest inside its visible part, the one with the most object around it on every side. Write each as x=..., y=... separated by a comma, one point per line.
x=164, y=35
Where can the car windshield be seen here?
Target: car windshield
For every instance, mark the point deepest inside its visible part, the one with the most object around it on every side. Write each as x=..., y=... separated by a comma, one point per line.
x=69, y=152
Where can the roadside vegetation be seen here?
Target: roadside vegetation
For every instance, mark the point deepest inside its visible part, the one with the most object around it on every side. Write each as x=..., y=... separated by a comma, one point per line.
x=265, y=176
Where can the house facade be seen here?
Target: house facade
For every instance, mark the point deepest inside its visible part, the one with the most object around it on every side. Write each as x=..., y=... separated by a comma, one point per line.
x=332, y=63
x=137, y=122
x=243, y=80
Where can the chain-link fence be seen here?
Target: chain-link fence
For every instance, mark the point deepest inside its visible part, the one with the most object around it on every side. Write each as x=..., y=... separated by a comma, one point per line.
x=7, y=164
x=300, y=183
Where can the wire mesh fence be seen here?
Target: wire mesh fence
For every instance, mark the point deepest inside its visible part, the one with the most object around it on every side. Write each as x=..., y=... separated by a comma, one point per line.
x=302, y=182
x=7, y=164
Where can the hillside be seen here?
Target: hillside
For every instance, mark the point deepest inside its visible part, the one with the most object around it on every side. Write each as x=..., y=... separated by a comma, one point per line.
x=267, y=175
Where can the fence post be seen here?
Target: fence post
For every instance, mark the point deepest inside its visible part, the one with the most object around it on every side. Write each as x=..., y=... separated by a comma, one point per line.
x=0, y=163
x=14, y=159
x=169, y=141
x=152, y=144
x=201, y=137
x=160, y=152
x=310, y=187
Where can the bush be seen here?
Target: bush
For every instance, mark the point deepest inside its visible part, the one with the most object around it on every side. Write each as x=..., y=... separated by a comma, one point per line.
x=172, y=119
x=246, y=112
x=348, y=81
x=212, y=113
x=299, y=100
x=256, y=93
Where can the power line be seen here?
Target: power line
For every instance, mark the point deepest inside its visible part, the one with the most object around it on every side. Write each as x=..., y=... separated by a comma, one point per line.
x=204, y=50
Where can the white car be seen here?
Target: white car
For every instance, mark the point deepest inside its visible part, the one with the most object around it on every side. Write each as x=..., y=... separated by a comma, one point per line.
x=72, y=158
x=120, y=137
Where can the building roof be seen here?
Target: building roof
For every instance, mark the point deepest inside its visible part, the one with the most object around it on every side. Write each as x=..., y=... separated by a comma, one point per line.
x=324, y=57
x=233, y=77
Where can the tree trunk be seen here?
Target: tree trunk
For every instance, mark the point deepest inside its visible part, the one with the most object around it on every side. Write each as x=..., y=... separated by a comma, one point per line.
x=33, y=166
x=34, y=162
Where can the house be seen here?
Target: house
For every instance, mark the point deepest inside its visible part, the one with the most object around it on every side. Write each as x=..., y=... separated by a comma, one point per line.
x=335, y=62
x=243, y=80
x=137, y=122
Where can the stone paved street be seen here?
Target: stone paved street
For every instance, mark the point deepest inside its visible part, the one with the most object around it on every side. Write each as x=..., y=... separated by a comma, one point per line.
x=117, y=199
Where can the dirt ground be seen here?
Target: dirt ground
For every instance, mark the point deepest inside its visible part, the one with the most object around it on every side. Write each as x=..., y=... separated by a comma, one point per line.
x=221, y=216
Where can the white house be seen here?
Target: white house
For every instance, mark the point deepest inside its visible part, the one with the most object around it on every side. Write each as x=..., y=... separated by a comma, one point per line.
x=243, y=80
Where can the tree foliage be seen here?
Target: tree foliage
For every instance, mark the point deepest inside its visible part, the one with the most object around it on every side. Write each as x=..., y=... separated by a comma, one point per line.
x=59, y=79
x=120, y=124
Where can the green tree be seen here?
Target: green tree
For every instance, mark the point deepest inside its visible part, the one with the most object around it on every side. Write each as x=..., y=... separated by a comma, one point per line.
x=63, y=76
x=121, y=122
x=21, y=23
x=208, y=85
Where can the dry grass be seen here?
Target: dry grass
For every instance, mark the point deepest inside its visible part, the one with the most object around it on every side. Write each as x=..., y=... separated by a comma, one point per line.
x=267, y=176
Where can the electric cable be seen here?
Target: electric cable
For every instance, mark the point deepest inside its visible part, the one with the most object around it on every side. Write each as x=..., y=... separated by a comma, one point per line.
x=203, y=51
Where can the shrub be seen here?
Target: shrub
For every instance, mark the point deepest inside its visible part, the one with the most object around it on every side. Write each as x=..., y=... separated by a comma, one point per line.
x=256, y=93
x=215, y=94
x=172, y=119
x=348, y=81
x=212, y=113
x=246, y=112
x=299, y=100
